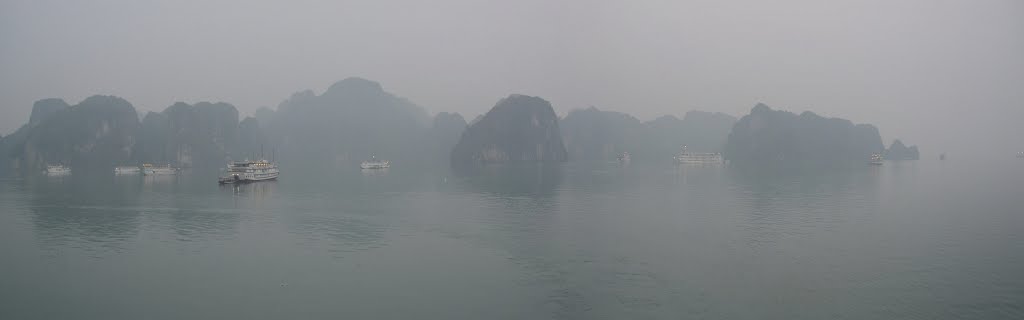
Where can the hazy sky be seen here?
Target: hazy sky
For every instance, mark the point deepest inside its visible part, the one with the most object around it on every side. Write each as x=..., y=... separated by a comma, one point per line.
x=943, y=74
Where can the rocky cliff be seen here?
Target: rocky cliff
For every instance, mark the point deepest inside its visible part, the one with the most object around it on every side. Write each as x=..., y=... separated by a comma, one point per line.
x=203, y=134
x=899, y=151
x=350, y=122
x=773, y=139
x=518, y=129
x=444, y=134
x=594, y=135
x=97, y=132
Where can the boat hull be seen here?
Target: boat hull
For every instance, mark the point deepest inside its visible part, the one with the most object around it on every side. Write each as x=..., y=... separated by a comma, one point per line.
x=240, y=180
x=375, y=165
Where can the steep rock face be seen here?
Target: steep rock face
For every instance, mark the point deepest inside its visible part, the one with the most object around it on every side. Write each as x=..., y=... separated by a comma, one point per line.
x=898, y=151
x=12, y=146
x=153, y=133
x=43, y=109
x=782, y=140
x=98, y=132
x=203, y=134
x=445, y=133
x=251, y=138
x=350, y=122
x=594, y=135
x=518, y=129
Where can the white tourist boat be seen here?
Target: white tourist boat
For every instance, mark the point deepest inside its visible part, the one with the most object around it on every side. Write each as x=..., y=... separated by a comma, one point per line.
x=151, y=170
x=876, y=159
x=57, y=170
x=685, y=157
x=250, y=171
x=1020, y=154
x=375, y=164
x=127, y=170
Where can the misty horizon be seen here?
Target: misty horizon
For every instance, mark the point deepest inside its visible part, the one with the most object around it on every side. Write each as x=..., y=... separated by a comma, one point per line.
x=945, y=76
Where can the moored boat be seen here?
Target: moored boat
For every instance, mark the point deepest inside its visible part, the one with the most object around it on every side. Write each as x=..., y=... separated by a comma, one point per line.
x=876, y=159
x=57, y=170
x=151, y=170
x=624, y=158
x=709, y=158
x=375, y=164
x=127, y=170
x=250, y=171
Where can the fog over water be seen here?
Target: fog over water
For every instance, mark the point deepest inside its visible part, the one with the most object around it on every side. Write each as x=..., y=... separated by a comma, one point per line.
x=946, y=75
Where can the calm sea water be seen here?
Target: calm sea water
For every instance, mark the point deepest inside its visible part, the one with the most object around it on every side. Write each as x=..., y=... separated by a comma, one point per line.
x=910, y=240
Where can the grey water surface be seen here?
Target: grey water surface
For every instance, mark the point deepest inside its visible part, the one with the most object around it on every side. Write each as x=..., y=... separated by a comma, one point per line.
x=906, y=240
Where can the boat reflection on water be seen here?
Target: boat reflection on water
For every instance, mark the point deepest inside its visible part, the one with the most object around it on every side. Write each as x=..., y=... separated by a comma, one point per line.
x=374, y=172
x=159, y=179
x=252, y=190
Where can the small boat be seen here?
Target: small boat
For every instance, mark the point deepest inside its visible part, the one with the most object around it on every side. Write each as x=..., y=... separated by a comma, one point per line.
x=1020, y=155
x=710, y=158
x=624, y=158
x=57, y=170
x=375, y=164
x=249, y=171
x=127, y=170
x=151, y=170
x=876, y=159
x=942, y=156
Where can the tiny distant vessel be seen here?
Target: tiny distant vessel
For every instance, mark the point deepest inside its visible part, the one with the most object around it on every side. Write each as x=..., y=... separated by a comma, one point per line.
x=127, y=170
x=1020, y=155
x=250, y=171
x=685, y=157
x=942, y=156
x=151, y=170
x=375, y=164
x=624, y=158
x=876, y=159
x=57, y=170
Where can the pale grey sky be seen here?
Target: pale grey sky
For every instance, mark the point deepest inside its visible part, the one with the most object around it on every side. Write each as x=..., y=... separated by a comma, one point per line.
x=942, y=74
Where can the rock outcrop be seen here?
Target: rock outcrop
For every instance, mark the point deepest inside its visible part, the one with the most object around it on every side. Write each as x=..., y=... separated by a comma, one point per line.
x=773, y=139
x=518, y=129
x=898, y=151
x=350, y=122
x=98, y=132
x=204, y=134
x=43, y=109
x=593, y=135
x=444, y=134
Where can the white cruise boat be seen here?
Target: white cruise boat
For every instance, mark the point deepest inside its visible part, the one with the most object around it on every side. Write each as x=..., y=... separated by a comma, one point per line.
x=876, y=159
x=375, y=164
x=250, y=171
x=57, y=170
x=151, y=170
x=685, y=157
x=127, y=170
